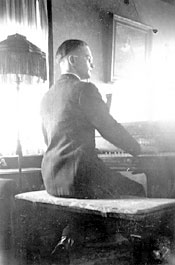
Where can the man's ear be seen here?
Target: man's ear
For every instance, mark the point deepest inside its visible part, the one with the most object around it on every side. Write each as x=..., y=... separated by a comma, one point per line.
x=71, y=59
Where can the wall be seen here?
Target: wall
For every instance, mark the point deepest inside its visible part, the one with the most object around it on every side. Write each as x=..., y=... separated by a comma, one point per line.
x=78, y=19
x=90, y=21
x=160, y=15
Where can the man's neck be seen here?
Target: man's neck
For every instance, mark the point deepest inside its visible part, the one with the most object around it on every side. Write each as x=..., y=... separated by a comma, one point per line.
x=71, y=73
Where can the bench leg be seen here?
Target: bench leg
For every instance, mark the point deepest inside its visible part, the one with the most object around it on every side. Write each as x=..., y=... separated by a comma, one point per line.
x=138, y=250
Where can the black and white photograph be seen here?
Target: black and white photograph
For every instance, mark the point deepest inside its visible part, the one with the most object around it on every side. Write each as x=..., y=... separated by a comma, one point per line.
x=87, y=134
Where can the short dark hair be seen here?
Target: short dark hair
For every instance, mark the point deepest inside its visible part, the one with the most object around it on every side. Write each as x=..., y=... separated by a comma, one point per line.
x=68, y=46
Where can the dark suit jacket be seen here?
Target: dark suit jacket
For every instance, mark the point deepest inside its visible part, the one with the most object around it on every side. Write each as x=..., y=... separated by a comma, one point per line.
x=71, y=111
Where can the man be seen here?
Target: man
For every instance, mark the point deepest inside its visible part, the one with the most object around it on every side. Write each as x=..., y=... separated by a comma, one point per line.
x=71, y=111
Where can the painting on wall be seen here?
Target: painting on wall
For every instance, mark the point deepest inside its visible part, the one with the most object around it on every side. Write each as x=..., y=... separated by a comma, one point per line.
x=131, y=43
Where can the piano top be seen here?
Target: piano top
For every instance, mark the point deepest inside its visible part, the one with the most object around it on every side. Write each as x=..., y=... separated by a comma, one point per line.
x=153, y=135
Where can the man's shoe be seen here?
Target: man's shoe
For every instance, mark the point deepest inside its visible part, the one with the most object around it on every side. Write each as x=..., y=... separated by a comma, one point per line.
x=65, y=241
x=60, y=255
x=61, y=251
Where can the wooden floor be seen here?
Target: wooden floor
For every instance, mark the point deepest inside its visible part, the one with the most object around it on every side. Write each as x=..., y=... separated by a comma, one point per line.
x=8, y=257
x=121, y=253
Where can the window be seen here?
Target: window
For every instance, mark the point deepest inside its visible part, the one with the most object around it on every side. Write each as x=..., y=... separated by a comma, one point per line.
x=30, y=19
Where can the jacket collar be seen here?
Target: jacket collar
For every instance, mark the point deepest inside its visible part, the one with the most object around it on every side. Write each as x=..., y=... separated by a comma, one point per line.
x=69, y=76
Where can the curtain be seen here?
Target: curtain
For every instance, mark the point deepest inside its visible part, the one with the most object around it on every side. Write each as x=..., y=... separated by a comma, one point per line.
x=24, y=10
x=28, y=18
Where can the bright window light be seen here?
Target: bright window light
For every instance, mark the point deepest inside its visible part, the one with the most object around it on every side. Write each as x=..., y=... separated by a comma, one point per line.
x=22, y=112
x=148, y=95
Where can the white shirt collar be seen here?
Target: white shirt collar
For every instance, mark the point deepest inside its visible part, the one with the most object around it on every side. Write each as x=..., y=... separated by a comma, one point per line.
x=70, y=73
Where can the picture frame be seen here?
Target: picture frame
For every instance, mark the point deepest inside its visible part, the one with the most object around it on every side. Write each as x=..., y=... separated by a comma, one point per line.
x=131, y=46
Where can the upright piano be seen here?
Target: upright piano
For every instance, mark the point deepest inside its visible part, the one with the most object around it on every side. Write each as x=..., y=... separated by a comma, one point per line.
x=157, y=162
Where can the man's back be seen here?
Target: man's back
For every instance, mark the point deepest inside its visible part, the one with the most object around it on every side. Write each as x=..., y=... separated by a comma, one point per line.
x=68, y=133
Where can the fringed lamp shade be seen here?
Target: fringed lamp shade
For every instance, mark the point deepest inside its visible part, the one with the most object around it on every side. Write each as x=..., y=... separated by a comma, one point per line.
x=22, y=60
x=20, y=57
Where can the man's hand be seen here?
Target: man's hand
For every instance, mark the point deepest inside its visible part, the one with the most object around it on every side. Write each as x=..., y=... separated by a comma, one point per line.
x=146, y=150
x=137, y=165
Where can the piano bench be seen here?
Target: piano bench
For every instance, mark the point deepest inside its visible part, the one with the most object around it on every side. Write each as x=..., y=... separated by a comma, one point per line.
x=39, y=219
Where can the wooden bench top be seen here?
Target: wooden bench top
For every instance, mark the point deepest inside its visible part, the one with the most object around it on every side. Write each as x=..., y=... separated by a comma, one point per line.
x=138, y=207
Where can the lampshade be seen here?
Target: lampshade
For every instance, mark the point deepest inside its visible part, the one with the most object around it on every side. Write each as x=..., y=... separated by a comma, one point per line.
x=20, y=57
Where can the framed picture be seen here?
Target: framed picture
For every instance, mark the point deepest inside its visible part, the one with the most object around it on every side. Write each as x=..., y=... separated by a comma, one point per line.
x=131, y=45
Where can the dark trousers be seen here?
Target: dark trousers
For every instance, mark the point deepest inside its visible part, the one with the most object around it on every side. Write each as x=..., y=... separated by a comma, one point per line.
x=95, y=180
